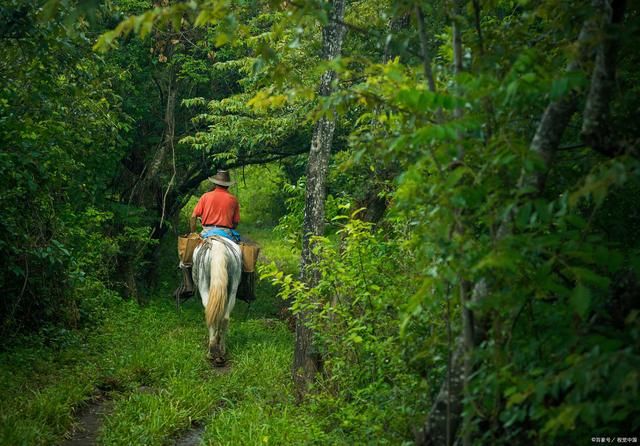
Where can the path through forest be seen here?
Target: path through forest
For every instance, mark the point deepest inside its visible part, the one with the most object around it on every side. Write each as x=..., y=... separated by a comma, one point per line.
x=142, y=378
x=89, y=421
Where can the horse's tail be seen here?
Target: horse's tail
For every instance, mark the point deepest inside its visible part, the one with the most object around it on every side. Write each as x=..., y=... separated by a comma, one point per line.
x=217, y=285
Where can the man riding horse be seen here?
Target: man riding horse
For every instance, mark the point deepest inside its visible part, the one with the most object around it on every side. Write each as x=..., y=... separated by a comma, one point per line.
x=217, y=262
x=219, y=213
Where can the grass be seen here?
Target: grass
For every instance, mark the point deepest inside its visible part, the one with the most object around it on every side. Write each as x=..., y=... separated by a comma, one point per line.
x=150, y=361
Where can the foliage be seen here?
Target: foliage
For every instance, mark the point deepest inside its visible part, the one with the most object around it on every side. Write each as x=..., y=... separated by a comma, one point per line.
x=62, y=130
x=462, y=212
x=260, y=192
x=366, y=382
x=556, y=271
x=290, y=224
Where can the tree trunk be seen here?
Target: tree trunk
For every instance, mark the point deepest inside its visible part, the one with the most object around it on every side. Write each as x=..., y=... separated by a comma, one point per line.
x=457, y=380
x=457, y=36
x=149, y=191
x=440, y=429
x=424, y=48
x=307, y=361
x=146, y=191
x=169, y=129
x=595, y=124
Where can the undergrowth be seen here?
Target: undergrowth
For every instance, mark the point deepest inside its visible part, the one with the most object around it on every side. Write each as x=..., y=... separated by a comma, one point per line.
x=150, y=361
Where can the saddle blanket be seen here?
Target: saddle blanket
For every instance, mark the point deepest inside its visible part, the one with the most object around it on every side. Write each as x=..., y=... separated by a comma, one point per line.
x=231, y=234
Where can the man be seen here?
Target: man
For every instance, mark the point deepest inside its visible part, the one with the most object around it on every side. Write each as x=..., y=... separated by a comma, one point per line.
x=218, y=210
x=219, y=213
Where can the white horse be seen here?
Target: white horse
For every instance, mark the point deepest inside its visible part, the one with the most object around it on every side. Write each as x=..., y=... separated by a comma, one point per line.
x=217, y=268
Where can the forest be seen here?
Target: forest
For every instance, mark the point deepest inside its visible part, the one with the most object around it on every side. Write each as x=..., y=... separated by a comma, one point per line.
x=446, y=194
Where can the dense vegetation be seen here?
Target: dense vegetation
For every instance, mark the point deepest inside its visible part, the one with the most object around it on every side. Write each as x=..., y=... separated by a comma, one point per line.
x=457, y=180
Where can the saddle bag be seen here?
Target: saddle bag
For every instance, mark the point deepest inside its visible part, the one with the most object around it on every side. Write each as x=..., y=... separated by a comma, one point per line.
x=247, y=288
x=186, y=245
x=250, y=253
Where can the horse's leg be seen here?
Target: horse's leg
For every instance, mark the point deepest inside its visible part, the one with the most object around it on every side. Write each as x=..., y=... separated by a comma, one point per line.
x=223, y=335
x=204, y=284
x=211, y=351
x=231, y=293
x=216, y=348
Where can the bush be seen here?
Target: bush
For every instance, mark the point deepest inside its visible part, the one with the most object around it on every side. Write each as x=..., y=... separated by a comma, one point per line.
x=368, y=388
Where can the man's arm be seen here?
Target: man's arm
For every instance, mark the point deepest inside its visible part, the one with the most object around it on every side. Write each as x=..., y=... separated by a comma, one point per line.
x=197, y=212
x=236, y=216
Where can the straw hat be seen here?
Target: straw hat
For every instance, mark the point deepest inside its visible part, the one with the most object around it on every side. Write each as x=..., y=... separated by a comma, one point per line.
x=222, y=178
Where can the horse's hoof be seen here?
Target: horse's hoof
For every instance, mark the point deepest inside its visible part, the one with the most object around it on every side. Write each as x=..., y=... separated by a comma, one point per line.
x=219, y=362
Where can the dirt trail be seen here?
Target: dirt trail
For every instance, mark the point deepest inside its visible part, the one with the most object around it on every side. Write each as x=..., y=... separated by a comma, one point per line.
x=193, y=437
x=89, y=423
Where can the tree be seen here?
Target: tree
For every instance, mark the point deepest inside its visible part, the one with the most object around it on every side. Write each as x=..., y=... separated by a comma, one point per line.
x=307, y=361
x=445, y=416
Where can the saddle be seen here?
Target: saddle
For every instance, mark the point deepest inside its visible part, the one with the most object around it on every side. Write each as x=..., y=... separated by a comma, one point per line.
x=189, y=242
x=231, y=234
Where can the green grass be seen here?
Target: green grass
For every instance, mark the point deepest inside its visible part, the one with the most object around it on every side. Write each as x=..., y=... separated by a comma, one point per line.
x=183, y=388
x=150, y=361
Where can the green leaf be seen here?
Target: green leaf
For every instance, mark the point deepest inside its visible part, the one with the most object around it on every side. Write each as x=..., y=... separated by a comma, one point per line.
x=590, y=277
x=523, y=215
x=559, y=88
x=222, y=38
x=580, y=300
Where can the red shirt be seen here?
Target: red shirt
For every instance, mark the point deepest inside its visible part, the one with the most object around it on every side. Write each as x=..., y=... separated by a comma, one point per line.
x=218, y=208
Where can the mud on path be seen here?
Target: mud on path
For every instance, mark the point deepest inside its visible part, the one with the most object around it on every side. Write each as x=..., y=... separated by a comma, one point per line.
x=87, y=427
x=193, y=437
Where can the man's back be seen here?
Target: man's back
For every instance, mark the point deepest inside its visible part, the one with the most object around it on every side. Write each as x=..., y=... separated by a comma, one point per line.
x=218, y=208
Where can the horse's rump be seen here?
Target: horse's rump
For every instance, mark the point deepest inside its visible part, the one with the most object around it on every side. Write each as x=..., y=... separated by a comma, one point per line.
x=216, y=271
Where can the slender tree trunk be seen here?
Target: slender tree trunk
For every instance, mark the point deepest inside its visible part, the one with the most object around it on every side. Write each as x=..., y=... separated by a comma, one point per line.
x=476, y=16
x=464, y=285
x=163, y=152
x=457, y=36
x=424, y=48
x=443, y=426
x=169, y=129
x=596, y=131
x=307, y=361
